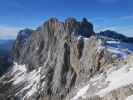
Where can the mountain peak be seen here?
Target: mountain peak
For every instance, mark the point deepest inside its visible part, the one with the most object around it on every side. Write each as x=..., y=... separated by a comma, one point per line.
x=57, y=59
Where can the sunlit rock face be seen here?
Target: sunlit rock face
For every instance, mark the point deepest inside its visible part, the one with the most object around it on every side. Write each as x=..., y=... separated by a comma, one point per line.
x=50, y=62
x=37, y=43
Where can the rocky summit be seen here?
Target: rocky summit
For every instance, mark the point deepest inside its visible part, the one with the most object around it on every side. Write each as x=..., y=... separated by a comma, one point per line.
x=64, y=61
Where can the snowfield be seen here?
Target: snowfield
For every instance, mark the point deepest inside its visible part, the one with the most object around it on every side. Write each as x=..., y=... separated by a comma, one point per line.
x=115, y=77
x=129, y=97
x=81, y=92
x=121, y=49
x=31, y=79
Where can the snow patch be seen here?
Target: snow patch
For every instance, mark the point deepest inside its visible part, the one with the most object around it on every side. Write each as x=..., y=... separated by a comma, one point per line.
x=20, y=68
x=81, y=92
x=31, y=79
x=82, y=37
x=118, y=52
x=117, y=79
x=129, y=97
x=113, y=42
x=121, y=49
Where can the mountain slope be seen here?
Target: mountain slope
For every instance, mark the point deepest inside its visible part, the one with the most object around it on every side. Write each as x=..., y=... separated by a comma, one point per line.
x=115, y=36
x=114, y=84
x=65, y=61
x=50, y=55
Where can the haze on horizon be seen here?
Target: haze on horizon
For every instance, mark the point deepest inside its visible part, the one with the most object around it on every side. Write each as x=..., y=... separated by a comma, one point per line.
x=115, y=15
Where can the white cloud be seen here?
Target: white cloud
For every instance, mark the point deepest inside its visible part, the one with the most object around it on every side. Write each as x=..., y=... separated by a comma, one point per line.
x=126, y=17
x=8, y=32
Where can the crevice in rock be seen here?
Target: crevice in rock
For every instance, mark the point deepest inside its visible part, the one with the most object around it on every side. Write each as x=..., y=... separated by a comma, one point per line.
x=80, y=46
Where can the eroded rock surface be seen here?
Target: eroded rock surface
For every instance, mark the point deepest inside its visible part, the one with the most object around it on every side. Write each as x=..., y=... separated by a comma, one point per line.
x=52, y=62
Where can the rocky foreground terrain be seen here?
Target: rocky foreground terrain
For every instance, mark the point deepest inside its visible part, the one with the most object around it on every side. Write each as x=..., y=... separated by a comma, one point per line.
x=67, y=61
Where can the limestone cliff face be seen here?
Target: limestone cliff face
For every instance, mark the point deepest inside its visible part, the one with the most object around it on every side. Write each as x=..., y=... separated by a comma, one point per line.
x=54, y=60
x=34, y=51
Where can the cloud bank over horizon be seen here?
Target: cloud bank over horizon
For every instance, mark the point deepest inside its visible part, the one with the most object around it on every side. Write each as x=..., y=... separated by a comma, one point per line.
x=8, y=32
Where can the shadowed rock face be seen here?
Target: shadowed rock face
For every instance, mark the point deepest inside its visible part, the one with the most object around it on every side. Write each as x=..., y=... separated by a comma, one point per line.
x=62, y=57
x=83, y=28
x=20, y=43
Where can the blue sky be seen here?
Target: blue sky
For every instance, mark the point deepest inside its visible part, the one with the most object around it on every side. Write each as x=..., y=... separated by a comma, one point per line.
x=104, y=14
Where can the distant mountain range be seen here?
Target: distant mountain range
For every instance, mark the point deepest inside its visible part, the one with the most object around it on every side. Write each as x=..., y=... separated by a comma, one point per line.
x=116, y=36
x=5, y=51
x=6, y=44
